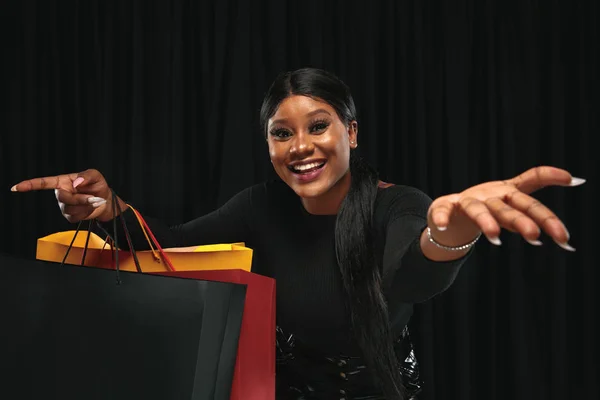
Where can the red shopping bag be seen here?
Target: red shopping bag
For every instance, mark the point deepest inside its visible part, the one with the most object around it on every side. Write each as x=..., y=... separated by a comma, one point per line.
x=254, y=375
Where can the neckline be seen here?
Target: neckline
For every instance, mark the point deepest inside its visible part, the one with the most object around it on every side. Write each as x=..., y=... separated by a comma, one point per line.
x=305, y=212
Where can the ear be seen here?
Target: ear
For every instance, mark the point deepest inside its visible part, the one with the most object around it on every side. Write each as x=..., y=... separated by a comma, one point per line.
x=353, y=134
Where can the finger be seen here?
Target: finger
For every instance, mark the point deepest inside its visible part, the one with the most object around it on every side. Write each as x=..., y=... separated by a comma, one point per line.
x=76, y=217
x=45, y=183
x=479, y=213
x=514, y=220
x=69, y=198
x=543, y=217
x=539, y=177
x=87, y=179
x=441, y=210
x=75, y=213
x=78, y=210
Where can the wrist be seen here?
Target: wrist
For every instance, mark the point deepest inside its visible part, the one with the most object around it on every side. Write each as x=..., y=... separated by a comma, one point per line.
x=456, y=233
x=108, y=213
x=452, y=241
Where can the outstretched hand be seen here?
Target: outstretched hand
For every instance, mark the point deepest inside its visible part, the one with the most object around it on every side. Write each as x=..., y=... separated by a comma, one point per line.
x=80, y=196
x=488, y=207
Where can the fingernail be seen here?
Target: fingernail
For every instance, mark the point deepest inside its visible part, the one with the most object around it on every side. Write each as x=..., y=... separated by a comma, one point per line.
x=566, y=246
x=92, y=200
x=77, y=182
x=441, y=228
x=494, y=240
x=576, y=181
x=98, y=204
x=567, y=232
x=14, y=188
x=534, y=242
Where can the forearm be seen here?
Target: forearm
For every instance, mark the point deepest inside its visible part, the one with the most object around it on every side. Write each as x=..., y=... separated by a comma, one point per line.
x=228, y=224
x=417, y=278
x=115, y=228
x=411, y=275
x=121, y=221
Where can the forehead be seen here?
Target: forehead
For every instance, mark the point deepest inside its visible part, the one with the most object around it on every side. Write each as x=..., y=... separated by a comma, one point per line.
x=298, y=107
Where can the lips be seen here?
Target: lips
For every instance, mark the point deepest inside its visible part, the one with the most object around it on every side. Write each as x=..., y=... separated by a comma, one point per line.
x=306, y=167
x=307, y=170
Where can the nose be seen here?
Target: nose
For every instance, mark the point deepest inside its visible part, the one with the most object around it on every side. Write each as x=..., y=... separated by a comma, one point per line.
x=301, y=146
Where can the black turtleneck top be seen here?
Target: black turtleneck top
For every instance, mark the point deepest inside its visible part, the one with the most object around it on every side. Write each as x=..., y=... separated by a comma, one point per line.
x=297, y=249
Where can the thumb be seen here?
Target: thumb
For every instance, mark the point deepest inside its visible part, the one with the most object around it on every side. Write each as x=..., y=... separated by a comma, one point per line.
x=91, y=181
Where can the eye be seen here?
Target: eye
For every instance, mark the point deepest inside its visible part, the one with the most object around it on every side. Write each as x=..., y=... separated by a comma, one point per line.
x=319, y=126
x=280, y=133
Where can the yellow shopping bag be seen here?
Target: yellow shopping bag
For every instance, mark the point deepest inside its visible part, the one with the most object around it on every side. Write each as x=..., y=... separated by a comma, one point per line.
x=99, y=253
x=54, y=247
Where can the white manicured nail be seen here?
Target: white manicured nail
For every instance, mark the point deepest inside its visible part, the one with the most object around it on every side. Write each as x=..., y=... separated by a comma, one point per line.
x=566, y=246
x=98, y=204
x=534, y=242
x=93, y=200
x=441, y=228
x=494, y=240
x=576, y=181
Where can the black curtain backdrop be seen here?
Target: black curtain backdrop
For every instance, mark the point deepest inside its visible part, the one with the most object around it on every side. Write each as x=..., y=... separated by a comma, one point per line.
x=163, y=98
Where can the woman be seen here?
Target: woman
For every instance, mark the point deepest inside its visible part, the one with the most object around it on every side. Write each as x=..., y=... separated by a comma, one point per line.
x=350, y=254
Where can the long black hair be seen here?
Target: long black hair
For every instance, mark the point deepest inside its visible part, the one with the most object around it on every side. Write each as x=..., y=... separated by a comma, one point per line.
x=354, y=231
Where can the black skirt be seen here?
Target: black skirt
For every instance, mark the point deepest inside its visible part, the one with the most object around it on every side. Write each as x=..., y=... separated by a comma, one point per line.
x=304, y=374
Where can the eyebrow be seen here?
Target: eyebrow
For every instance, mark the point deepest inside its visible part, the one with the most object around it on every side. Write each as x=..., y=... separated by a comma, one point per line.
x=310, y=114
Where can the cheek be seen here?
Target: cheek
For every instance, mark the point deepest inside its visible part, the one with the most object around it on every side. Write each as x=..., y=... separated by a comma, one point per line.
x=342, y=149
x=335, y=140
x=272, y=150
x=276, y=152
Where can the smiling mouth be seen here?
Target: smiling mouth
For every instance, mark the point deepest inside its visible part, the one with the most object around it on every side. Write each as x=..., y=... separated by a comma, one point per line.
x=306, y=168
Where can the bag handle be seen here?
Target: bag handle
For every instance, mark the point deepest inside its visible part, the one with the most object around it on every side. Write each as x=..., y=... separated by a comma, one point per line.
x=87, y=240
x=148, y=232
x=113, y=241
x=139, y=219
x=110, y=240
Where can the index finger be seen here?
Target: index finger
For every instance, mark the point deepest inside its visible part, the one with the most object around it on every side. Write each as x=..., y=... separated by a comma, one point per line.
x=539, y=177
x=45, y=183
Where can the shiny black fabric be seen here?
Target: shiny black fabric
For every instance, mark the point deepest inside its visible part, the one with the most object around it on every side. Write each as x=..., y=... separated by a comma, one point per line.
x=304, y=374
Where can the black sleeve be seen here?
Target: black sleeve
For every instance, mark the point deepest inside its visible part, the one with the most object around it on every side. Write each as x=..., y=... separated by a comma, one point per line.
x=228, y=224
x=409, y=276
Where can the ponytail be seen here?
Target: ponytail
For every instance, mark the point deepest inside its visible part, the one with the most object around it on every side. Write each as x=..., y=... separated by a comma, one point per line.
x=362, y=279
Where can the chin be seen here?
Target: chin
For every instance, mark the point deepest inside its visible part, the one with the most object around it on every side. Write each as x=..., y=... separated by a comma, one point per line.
x=308, y=193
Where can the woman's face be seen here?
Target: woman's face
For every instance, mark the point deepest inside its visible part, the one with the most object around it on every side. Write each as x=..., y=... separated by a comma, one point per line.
x=309, y=145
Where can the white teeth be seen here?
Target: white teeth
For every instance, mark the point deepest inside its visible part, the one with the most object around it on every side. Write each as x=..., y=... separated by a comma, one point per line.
x=305, y=167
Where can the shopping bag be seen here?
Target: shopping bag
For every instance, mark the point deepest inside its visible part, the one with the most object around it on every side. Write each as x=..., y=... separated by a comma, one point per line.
x=221, y=256
x=87, y=248
x=254, y=376
x=76, y=332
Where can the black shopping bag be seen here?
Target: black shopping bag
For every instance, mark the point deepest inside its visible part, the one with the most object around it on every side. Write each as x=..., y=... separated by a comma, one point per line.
x=72, y=332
